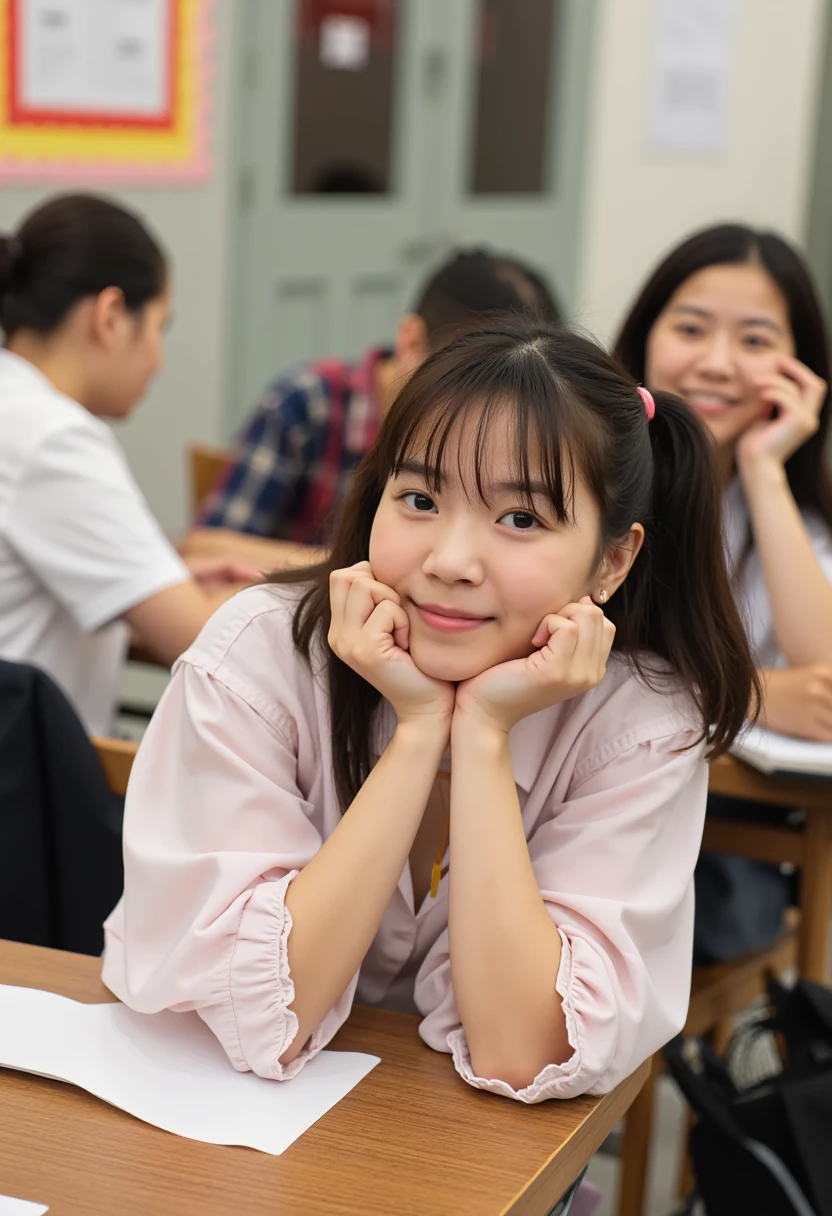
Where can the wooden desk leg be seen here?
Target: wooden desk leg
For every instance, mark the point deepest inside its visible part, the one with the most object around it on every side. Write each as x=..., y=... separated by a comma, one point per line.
x=635, y=1146
x=816, y=898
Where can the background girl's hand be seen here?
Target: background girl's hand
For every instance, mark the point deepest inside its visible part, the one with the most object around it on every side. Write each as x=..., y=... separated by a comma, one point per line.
x=798, y=701
x=215, y=573
x=797, y=395
x=574, y=645
x=370, y=633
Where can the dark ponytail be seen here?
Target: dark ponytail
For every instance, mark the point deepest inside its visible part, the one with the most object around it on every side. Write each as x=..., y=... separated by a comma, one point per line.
x=676, y=603
x=73, y=247
x=573, y=405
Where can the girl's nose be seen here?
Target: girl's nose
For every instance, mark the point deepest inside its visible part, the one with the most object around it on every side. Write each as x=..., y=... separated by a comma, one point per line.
x=454, y=557
x=717, y=356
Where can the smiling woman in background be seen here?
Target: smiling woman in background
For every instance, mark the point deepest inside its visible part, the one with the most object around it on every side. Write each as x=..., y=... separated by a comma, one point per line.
x=730, y=321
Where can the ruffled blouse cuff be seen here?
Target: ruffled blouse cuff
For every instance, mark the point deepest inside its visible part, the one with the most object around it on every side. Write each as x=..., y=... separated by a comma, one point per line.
x=257, y=1026
x=555, y=1080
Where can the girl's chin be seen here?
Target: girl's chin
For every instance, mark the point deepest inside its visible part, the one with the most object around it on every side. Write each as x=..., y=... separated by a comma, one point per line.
x=453, y=669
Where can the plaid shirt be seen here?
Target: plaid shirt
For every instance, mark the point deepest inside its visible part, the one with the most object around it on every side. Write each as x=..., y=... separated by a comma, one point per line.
x=293, y=461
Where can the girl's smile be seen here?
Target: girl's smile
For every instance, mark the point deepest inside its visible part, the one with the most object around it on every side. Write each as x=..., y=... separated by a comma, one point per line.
x=448, y=620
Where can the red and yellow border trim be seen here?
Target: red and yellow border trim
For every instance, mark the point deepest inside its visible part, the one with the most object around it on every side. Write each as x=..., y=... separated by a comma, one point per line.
x=37, y=145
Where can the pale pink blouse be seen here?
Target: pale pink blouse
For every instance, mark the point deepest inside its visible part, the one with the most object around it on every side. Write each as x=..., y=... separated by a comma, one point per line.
x=232, y=794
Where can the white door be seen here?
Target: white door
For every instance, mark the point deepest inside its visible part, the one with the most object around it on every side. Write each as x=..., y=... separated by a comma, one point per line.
x=512, y=145
x=366, y=151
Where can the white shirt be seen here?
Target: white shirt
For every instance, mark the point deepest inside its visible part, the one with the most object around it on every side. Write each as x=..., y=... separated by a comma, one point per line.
x=746, y=569
x=78, y=543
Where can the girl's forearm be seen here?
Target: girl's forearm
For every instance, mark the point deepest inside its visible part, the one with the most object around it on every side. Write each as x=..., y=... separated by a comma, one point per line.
x=505, y=951
x=801, y=597
x=338, y=900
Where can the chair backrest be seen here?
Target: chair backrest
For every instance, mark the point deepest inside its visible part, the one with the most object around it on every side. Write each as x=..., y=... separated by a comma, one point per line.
x=205, y=464
x=61, y=870
x=116, y=757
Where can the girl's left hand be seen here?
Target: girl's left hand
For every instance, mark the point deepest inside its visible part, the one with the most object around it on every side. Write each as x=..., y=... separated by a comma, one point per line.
x=797, y=394
x=574, y=645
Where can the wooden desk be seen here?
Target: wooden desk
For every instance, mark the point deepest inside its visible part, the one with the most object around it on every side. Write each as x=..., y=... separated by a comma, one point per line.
x=810, y=849
x=411, y=1139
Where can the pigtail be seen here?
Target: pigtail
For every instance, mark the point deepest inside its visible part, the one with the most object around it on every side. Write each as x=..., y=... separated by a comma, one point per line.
x=677, y=601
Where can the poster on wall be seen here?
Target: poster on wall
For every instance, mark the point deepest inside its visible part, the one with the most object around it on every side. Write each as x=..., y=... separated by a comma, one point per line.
x=693, y=64
x=105, y=90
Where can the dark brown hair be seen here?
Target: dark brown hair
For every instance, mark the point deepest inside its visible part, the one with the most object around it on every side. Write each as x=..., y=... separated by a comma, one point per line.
x=475, y=282
x=736, y=245
x=72, y=247
x=586, y=419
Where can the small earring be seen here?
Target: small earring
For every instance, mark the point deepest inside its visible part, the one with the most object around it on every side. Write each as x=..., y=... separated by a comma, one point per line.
x=602, y=596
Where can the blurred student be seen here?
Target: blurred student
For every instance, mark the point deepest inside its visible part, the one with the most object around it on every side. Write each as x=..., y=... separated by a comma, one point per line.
x=730, y=321
x=84, y=302
x=297, y=452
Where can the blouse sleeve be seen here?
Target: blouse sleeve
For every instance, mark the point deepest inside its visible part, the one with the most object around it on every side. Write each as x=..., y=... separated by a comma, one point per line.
x=215, y=830
x=614, y=863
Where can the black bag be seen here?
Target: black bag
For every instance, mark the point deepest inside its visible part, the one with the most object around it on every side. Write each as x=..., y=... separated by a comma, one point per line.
x=765, y=1148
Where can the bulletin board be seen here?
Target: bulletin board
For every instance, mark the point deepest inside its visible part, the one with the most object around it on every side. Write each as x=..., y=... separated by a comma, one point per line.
x=105, y=90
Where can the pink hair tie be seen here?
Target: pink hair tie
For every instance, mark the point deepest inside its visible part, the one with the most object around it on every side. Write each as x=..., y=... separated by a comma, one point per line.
x=649, y=403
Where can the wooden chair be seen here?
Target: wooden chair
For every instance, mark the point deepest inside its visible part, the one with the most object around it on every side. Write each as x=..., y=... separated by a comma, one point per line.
x=116, y=757
x=720, y=993
x=205, y=463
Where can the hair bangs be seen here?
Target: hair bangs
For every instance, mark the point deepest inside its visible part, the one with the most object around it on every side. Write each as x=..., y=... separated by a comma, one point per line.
x=464, y=426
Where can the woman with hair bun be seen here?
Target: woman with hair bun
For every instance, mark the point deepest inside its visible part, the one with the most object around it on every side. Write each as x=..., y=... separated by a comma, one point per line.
x=84, y=303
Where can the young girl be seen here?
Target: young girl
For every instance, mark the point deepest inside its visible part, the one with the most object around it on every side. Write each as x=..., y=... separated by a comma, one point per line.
x=522, y=644
x=730, y=322
x=84, y=301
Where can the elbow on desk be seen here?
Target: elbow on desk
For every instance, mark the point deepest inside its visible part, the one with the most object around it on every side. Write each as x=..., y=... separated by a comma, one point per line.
x=516, y=1055
x=513, y=1066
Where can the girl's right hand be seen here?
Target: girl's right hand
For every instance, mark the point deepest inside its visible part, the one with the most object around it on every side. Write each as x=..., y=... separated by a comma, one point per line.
x=370, y=633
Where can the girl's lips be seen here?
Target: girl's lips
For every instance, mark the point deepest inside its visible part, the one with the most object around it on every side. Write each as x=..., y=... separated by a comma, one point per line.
x=449, y=624
x=708, y=405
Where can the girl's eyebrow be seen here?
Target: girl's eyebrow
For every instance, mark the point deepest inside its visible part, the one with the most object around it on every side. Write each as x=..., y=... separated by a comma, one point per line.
x=766, y=322
x=417, y=468
x=535, y=489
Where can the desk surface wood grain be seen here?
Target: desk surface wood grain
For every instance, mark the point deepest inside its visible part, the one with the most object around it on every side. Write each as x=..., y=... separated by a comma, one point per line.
x=411, y=1138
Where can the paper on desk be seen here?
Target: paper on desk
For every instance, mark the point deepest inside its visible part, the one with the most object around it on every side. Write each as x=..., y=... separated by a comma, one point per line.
x=20, y=1207
x=773, y=753
x=169, y=1070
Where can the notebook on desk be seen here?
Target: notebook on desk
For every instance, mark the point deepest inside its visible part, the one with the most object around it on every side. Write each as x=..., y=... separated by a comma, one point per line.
x=773, y=753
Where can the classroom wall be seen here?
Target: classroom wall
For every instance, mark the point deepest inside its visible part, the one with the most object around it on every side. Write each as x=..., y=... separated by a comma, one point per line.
x=637, y=202
x=186, y=402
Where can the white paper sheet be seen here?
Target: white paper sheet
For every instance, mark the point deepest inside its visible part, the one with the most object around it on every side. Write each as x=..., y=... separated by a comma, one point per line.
x=20, y=1207
x=169, y=1070
x=773, y=753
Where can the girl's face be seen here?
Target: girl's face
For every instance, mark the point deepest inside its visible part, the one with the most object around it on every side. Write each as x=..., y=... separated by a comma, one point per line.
x=477, y=579
x=724, y=326
x=134, y=356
